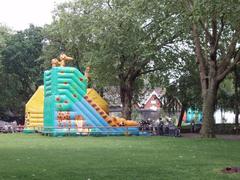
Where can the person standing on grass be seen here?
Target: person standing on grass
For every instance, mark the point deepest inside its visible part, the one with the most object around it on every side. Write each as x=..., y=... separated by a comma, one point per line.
x=161, y=127
x=192, y=126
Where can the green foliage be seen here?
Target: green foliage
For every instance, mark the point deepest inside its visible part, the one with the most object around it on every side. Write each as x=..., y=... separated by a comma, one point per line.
x=70, y=33
x=114, y=37
x=5, y=34
x=21, y=67
x=120, y=40
x=227, y=93
x=188, y=84
x=181, y=80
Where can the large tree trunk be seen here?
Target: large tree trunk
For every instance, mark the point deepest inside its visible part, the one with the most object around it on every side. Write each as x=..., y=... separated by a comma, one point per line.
x=126, y=93
x=236, y=116
x=236, y=101
x=209, y=103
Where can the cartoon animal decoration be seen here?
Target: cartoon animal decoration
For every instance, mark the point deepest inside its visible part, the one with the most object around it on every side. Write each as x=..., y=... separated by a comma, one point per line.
x=86, y=73
x=63, y=58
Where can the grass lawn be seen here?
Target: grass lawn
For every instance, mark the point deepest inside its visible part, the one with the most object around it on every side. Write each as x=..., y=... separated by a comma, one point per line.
x=34, y=156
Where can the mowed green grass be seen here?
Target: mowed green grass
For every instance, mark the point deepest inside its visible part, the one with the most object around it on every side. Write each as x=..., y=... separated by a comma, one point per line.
x=33, y=156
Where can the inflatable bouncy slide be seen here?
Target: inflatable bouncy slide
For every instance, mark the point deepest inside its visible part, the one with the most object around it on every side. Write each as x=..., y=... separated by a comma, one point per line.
x=68, y=107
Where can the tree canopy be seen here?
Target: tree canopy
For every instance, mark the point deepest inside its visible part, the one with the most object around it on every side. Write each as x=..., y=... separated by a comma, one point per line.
x=21, y=72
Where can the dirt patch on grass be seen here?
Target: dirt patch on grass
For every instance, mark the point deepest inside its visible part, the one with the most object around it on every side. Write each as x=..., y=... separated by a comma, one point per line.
x=231, y=170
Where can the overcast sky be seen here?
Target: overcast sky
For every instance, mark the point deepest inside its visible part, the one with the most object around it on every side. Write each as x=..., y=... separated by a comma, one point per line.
x=18, y=14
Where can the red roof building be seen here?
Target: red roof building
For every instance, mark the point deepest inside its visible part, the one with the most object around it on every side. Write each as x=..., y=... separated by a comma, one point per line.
x=153, y=102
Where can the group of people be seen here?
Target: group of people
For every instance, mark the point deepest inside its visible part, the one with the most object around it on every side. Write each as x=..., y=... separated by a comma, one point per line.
x=160, y=127
x=10, y=127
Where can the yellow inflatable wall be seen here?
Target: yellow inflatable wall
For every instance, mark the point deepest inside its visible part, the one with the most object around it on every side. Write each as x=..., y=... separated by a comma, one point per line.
x=34, y=110
x=91, y=93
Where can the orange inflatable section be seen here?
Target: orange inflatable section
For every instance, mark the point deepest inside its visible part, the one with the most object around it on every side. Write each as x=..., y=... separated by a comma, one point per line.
x=124, y=122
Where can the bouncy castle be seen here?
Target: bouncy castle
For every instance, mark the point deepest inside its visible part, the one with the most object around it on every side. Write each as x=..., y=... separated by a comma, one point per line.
x=68, y=107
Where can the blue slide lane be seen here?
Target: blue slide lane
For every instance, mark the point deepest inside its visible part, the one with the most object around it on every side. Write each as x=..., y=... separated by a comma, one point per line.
x=80, y=109
x=92, y=117
x=99, y=118
x=111, y=130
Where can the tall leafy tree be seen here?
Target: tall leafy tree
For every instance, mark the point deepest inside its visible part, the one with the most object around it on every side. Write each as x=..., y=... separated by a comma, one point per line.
x=215, y=32
x=121, y=39
x=186, y=86
x=20, y=60
x=5, y=34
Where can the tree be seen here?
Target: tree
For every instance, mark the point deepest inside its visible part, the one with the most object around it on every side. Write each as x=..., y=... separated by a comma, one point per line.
x=188, y=86
x=21, y=67
x=182, y=83
x=237, y=93
x=121, y=39
x=215, y=31
x=5, y=34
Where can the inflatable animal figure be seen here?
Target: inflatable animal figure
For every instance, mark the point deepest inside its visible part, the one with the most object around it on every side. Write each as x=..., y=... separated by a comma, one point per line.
x=54, y=62
x=63, y=58
x=86, y=73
